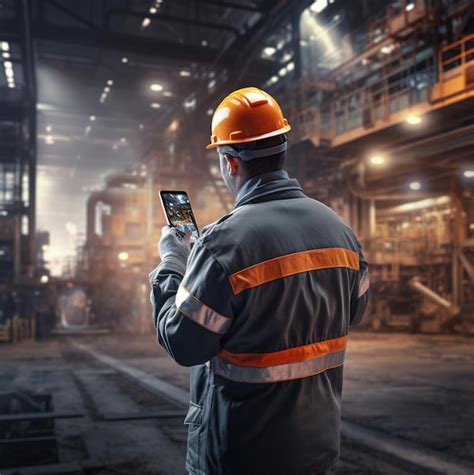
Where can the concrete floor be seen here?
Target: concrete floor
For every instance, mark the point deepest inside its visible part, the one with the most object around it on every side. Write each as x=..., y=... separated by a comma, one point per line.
x=408, y=404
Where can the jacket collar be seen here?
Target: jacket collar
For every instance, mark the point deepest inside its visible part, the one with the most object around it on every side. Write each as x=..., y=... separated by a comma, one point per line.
x=268, y=186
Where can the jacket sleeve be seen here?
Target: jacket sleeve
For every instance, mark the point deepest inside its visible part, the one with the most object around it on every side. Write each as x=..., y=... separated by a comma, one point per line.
x=191, y=309
x=360, y=293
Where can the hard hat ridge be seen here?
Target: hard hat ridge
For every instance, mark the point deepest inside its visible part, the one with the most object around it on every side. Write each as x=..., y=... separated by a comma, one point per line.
x=247, y=115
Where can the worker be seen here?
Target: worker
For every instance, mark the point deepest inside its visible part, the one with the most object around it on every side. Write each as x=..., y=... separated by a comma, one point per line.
x=260, y=308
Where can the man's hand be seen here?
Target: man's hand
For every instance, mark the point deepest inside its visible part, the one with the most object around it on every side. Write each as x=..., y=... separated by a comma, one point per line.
x=174, y=245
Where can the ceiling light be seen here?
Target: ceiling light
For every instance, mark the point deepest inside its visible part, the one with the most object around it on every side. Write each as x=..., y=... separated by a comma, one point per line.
x=92, y=118
x=49, y=140
x=269, y=51
x=387, y=49
x=124, y=59
x=211, y=84
x=174, y=125
x=377, y=160
x=156, y=87
x=410, y=7
x=5, y=46
x=5, y=55
x=413, y=119
x=273, y=79
x=203, y=43
x=146, y=22
x=106, y=89
x=184, y=73
x=210, y=111
x=123, y=140
x=318, y=6
x=110, y=82
x=415, y=185
x=152, y=10
x=286, y=58
x=8, y=64
x=9, y=73
x=155, y=105
x=167, y=94
x=290, y=66
x=469, y=173
x=48, y=128
x=123, y=256
x=282, y=72
x=141, y=126
x=44, y=279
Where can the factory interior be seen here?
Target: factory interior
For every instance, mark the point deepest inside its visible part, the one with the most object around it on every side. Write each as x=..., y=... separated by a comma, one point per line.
x=105, y=102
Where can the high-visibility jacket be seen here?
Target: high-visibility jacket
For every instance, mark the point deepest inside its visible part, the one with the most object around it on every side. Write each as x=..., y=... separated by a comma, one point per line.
x=262, y=313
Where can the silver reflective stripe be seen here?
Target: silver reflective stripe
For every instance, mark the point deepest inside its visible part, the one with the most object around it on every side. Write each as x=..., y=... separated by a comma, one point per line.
x=364, y=284
x=197, y=311
x=272, y=374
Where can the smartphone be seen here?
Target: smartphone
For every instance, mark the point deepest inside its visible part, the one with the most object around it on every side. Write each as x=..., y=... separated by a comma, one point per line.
x=178, y=211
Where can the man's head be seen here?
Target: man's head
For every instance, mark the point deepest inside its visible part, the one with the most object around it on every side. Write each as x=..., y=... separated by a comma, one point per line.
x=250, y=134
x=236, y=168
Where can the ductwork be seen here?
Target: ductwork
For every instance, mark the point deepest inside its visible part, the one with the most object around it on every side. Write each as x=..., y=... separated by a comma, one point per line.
x=111, y=196
x=452, y=309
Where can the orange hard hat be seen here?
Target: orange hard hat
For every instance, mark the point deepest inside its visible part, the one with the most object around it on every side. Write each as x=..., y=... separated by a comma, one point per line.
x=246, y=115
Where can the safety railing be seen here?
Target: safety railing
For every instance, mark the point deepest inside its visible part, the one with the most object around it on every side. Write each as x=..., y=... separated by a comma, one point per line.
x=455, y=55
x=18, y=329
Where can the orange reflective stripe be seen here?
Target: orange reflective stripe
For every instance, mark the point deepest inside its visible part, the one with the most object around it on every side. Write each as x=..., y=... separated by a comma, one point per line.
x=292, y=355
x=290, y=264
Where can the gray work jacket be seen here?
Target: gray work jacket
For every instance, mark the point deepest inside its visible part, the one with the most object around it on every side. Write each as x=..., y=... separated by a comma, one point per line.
x=261, y=312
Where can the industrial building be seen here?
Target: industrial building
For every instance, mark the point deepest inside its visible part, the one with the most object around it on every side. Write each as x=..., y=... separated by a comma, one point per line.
x=105, y=102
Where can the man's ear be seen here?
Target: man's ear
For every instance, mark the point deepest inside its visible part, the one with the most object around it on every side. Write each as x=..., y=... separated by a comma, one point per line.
x=232, y=165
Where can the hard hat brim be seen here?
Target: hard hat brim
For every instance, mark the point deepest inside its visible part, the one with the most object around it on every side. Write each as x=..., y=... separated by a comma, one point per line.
x=273, y=133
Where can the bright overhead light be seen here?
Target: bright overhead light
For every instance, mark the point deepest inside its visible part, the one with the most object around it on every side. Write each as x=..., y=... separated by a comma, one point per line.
x=203, y=43
x=174, y=125
x=152, y=10
x=211, y=84
x=387, y=49
x=184, y=73
x=49, y=140
x=290, y=66
x=123, y=256
x=44, y=279
x=318, y=6
x=6, y=55
x=282, y=72
x=189, y=104
x=11, y=85
x=413, y=119
x=5, y=46
x=48, y=128
x=110, y=82
x=9, y=73
x=156, y=87
x=415, y=185
x=106, y=89
x=146, y=22
x=167, y=94
x=410, y=7
x=8, y=64
x=155, y=105
x=269, y=51
x=273, y=79
x=124, y=59
x=210, y=111
x=92, y=118
x=469, y=173
x=377, y=160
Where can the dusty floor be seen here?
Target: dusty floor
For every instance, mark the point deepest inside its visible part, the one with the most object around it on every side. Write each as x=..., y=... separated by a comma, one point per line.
x=409, y=391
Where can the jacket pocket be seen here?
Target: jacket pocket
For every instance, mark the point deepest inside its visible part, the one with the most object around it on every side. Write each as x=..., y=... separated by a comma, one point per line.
x=193, y=420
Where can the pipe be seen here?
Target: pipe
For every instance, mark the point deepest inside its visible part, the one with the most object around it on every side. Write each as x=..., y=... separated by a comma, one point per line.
x=415, y=283
x=112, y=196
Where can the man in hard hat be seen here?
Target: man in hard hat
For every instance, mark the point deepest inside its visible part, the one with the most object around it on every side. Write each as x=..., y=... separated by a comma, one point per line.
x=260, y=308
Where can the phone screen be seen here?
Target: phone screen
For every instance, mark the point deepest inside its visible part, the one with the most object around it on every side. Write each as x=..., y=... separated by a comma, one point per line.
x=178, y=211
